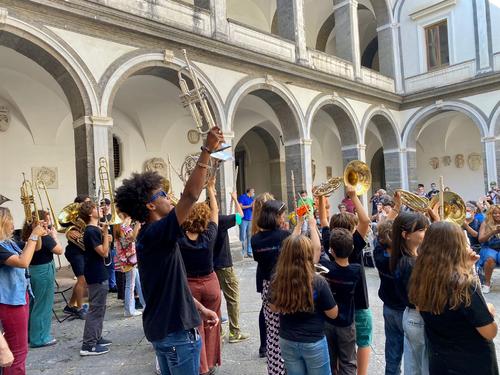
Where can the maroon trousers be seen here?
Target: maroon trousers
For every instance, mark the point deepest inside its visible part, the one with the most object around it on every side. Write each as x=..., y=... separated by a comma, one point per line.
x=15, y=325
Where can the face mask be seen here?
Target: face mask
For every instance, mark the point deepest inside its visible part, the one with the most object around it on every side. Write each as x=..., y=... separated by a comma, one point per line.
x=468, y=215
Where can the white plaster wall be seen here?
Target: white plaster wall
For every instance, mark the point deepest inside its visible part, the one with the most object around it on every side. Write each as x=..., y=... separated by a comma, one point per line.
x=460, y=34
x=316, y=12
x=495, y=24
x=450, y=135
x=255, y=13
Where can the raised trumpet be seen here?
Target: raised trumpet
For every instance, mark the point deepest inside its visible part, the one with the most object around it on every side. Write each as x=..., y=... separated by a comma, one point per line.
x=106, y=191
x=356, y=175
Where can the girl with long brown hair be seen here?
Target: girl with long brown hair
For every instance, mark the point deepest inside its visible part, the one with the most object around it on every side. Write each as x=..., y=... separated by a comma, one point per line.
x=489, y=237
x=459, y=324
x=302, y=298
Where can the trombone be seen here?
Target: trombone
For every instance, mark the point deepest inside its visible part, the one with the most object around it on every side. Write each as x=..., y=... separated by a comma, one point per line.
x=106, y=191
x=356, y=175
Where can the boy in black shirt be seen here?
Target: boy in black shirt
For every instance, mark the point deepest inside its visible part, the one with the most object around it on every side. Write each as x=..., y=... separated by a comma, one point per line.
x=171, y=314
x=96, y=241
x=343, y=279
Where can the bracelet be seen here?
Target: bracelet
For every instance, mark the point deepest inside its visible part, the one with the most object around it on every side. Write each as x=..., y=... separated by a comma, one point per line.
x=205, y=148
x=202, y=165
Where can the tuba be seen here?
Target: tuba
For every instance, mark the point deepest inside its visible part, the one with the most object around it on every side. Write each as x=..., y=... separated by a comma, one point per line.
x=69, y=215
x=454, y=207
x=195, y=98
x=106, y=191
x=356, y=174
x=413, y=201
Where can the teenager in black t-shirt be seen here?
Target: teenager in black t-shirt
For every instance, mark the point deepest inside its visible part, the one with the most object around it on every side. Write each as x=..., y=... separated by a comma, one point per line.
x=359, y=226
x=393, y=306
x=343, y=279
x=302, y=298
x=42, y=278
x=96, y=240
x=408, y=232
x=223, y=265
x=460, y=326
x=266, y=246
x=171, y=314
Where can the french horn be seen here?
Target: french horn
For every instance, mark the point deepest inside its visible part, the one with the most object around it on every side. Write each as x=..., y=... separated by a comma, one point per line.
x=356, y=175
x=69, y=215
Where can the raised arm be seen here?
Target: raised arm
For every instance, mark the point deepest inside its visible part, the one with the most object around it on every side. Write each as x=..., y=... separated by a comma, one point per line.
x=24, y=259
x=103, y=250
x=237, y=206
x=315, y=240
x=323, y=217
x=58, y=249
x=397, y=207
x=196, y=181
x=363, y=218
x=214, y=208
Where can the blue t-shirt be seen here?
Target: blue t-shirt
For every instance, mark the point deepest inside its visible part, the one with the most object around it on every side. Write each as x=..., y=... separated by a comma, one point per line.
x=245, y=200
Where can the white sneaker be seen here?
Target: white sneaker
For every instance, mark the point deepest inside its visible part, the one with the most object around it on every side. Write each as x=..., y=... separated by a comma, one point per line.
x=158, y=370
x=135, y=313
x=485, y=289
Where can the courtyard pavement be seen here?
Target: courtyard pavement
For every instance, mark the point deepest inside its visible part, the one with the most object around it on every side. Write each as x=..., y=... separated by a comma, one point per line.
x=131, y=354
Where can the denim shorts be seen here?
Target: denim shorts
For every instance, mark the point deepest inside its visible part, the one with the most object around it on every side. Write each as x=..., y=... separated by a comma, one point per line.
x=364, y=327
x=487, y=253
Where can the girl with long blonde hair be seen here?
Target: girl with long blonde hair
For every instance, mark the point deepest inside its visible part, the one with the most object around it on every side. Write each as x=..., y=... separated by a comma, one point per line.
x=302, y=298
x=489, y=237
x=459, y=324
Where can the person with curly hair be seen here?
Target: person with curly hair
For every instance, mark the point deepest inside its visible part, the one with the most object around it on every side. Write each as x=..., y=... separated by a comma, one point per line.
x=197, y=247
x=489, y=237
x=172, y=315
x=303, y=299
x=459, y=324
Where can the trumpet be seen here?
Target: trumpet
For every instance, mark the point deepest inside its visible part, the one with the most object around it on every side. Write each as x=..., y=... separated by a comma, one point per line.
x=28, y=201
x=356, y=174
x=195, y=98
x=106, y=191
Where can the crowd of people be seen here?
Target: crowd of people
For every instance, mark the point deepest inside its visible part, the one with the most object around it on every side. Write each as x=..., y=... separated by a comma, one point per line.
x=315, y=316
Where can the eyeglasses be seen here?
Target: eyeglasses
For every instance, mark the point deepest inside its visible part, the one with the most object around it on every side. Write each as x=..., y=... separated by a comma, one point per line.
x=161, y=193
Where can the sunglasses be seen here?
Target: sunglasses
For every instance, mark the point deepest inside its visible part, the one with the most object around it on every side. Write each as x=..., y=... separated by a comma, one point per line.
x=159, y=194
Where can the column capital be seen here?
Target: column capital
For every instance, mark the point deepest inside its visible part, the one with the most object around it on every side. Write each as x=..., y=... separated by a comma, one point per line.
x=359, y=146
x=490, y=139
x=93, y=120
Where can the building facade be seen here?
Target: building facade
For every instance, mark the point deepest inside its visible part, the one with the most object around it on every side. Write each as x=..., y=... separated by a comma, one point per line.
x=411, y=87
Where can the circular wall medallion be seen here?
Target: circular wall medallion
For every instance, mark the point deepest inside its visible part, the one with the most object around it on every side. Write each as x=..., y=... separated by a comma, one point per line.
x=193, y=136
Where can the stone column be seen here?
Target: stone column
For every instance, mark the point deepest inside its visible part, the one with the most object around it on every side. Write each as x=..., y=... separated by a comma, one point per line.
x=218, y=16
x=491, y=158
x=396, y=54
x=353, y=152
x=409, y=174
x=93, y=139
x=482, y=28
x=386, y=49
x=392, y=162
x=291, y=25
x=347, y=33
x=295, y=160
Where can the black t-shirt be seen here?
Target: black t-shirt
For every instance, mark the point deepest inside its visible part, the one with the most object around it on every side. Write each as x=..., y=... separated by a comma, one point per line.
x=387, y=290
x=402, y=275
x=305, y=326
x=44, y=255
x=356, y=257
x=169, y=303
x=343, y=283
x=266, y=246
x=455, y=341
x=95, y=271
x=222, y=250
x=198, y=254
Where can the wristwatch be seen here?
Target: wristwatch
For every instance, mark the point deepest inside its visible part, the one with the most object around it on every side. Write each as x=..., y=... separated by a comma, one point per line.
x=205, y=148
x=33, y=237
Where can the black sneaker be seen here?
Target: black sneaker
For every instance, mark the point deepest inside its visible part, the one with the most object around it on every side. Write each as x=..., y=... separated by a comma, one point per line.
x=93, y=350
x=113, y=290
x=104, y=342
x=70, y=310
x=81, y=314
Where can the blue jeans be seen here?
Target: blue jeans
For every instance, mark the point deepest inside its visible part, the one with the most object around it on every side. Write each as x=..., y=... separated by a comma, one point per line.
x=394, y=340
x=111, y=269
x=179, y=353
x=416, y=360
x=305, y=358
x=245, y=235
x=132, y=282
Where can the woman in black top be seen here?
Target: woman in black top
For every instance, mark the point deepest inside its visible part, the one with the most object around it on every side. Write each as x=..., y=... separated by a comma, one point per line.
x=303, y=298
x=43, y=276
x=408, y=232
x=459, y=324
x=266, y=246
x=197, y=246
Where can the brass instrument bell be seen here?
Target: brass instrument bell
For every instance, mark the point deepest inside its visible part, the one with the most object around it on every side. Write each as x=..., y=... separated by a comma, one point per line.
x=454, y=207
x=356, y=175
x=106, y=191
x=69, y=215
x=413, y=201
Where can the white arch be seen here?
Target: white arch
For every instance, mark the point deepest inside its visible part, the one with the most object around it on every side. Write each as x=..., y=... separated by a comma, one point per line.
x=322, y=100
x=246, y=86
x=126, y=69
x=84, y=77
x=476, y=115
x=382, y=111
